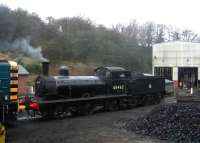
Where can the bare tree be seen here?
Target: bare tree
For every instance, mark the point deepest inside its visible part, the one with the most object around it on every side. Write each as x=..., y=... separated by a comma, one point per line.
x=160, y=33
x=188, y=35
x=132, y=32
x=118, y=28
x=176, y=35
x=50, y=20
x=146, y=35
x=168, y=33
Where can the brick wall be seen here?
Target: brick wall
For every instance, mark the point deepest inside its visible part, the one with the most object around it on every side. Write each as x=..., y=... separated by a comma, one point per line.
x=23, y=87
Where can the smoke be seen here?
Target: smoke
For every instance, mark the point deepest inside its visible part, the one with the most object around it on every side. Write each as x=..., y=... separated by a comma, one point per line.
x=22, y=46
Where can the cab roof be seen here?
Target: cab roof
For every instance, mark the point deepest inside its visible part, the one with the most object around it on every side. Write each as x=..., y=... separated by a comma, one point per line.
x=111, y=68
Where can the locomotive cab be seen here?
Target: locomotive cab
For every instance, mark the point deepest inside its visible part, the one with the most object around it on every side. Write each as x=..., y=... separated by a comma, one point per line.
x=116, y=78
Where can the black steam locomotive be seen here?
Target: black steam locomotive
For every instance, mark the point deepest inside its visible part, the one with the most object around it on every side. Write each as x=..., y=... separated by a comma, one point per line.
x=111, y=88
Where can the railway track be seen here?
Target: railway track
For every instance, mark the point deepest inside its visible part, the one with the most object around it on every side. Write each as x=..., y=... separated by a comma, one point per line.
x=170, y=99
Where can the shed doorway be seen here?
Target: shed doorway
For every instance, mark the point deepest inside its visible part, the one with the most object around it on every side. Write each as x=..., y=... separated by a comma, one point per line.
x=188, y=76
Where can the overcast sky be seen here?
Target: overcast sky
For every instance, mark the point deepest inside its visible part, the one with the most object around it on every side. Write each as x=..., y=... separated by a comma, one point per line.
x=179, y=13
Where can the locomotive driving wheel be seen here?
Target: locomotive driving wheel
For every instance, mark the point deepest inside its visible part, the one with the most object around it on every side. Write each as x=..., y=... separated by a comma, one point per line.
x=47, y=115
x=133, y=102
x=58, y=112
x=86, y=109
x=123, y=104
x=111, y=105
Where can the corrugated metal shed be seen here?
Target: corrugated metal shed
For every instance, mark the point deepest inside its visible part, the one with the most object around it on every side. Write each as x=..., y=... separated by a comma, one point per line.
x=22, y=70
x=177, y=53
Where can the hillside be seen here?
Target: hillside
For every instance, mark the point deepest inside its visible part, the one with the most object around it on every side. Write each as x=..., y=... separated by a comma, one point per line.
x=76, y=41
x=34, y=66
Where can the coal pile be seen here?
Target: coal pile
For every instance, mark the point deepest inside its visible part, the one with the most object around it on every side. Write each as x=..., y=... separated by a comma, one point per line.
x=173, y=122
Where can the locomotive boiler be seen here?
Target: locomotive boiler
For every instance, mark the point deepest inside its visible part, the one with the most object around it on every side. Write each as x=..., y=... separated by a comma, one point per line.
x=107, y=80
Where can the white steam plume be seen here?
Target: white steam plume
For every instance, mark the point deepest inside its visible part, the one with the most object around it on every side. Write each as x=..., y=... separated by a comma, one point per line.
x=22, y=47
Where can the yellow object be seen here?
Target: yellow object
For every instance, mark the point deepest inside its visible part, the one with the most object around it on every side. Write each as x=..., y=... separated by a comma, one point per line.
x=21, y=108
x=2, y=134
x=13, y=74
x=14, y=82
x=13, y=65
x=13, y=97
x=13, y=89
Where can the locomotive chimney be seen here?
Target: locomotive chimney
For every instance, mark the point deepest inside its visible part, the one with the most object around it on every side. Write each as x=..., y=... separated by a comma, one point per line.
x=45, y=67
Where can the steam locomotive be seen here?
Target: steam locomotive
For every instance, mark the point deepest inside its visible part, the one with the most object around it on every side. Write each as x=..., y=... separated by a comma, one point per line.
x=111, y=88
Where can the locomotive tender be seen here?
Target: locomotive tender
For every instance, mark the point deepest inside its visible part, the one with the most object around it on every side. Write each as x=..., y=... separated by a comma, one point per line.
x=111, y=87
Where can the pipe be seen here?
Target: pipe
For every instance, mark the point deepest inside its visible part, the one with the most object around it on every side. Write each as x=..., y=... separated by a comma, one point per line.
x=45, y=67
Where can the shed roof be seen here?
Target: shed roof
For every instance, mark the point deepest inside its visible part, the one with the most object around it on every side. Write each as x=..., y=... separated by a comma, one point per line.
x=22, y=70
x=183, y=44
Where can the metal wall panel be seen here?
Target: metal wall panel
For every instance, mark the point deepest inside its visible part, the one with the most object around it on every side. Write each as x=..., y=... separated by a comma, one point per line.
x=182, y=54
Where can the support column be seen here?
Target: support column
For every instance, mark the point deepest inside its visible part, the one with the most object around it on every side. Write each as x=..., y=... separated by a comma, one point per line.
x=153, y=71
x=175, y=74
x=198, y=78
x=175, y=79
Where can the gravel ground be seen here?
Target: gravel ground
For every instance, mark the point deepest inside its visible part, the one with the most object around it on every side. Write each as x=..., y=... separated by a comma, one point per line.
x=98, y=128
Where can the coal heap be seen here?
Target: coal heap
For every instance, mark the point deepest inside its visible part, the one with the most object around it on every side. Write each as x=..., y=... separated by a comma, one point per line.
x=174, y=122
